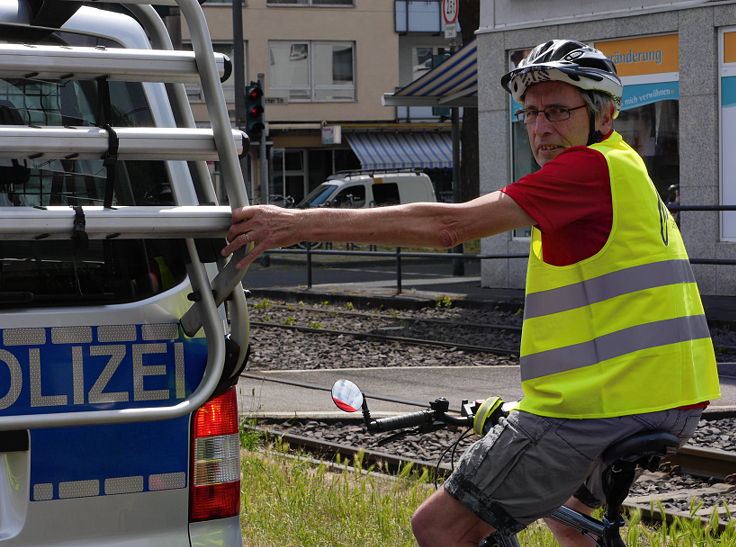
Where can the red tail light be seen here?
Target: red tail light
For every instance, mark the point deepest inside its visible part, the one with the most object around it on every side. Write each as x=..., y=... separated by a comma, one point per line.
x=215, y=460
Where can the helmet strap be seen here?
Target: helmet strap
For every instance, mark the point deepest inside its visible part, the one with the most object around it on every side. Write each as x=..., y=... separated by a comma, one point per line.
x=593, y=134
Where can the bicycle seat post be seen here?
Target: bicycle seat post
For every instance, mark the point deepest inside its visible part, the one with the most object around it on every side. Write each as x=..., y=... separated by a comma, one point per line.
x=644, y=449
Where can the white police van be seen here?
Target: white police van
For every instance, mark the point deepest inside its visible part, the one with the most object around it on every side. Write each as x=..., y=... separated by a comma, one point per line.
x=121, y=334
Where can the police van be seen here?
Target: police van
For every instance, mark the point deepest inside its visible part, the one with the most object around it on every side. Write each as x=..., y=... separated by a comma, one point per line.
x=122, y=331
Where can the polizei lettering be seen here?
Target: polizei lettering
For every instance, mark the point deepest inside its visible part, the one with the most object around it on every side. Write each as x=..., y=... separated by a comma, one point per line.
x=63, y=369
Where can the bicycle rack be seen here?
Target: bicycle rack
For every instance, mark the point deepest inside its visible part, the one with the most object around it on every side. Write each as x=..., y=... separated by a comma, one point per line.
x=221, y=142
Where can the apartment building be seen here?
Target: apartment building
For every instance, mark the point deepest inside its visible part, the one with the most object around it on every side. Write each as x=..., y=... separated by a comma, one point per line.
x=325, y=66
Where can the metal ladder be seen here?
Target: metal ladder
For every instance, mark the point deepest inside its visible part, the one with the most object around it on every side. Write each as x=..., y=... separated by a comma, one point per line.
x=188, y=143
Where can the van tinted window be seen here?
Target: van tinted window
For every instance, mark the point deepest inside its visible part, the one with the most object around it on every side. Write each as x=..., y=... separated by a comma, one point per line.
x=50, y=273
x=386, y=193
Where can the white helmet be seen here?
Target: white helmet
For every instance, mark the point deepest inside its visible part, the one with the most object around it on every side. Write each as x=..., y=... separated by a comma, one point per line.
x=566, y=61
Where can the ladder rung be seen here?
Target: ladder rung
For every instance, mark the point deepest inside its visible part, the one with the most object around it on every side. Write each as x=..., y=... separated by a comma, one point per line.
x=138, y=222
x=135, y=143
x=154, y=2
x=84, y=63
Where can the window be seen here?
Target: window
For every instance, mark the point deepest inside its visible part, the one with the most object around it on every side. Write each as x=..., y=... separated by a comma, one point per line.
x=58, y=273
x=310, y=2
x=352, y=198
x=424, y=58
x=386, y=193
x=417, y=16
x=194, y=91
x=288, y=172
x=312, y=71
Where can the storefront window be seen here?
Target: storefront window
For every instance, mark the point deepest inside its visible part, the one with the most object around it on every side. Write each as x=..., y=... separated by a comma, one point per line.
x=649, y=118
x=728, y=132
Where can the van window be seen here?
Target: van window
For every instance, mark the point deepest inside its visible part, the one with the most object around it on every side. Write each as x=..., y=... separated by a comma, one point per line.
x=386, y=193
x=317, y=197
x=351, y=197
x=55, y=273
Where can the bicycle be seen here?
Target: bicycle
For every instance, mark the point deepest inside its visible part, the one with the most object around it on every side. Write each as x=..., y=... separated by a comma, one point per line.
x=644, y=450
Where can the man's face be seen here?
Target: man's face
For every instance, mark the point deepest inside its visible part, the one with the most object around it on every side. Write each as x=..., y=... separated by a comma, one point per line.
x=548, y=139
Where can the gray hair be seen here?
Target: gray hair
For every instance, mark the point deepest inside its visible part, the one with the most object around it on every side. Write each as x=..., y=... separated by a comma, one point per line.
x=598, y=102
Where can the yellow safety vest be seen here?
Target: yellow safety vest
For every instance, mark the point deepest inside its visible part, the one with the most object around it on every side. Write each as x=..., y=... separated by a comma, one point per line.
x=623, y=331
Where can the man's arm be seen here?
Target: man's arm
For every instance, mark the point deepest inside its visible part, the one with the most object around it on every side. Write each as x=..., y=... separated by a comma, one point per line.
x=442, y=225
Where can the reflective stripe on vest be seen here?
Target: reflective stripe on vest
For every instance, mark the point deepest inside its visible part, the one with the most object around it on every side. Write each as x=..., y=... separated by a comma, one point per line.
x=608, y=346
x=645, y=276
x=623, y=331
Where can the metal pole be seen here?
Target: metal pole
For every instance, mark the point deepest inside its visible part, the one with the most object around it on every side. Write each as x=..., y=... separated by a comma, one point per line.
x=458, y=264
x=398, y=270
x=239, y=78
x=309, y=264
x=239, y=64
x=263, y=161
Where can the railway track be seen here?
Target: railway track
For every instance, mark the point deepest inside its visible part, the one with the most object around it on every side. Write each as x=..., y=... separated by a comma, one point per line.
x=388, y=338
x=504, y=331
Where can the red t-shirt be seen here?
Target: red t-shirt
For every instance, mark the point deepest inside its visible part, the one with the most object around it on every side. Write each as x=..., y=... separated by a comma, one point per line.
x=569, y=199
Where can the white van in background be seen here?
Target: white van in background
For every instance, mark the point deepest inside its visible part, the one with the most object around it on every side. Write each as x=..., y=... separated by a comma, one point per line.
x=362, y=189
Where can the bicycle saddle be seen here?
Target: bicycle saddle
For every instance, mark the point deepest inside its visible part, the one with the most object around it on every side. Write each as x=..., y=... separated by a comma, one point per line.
x=641, y=446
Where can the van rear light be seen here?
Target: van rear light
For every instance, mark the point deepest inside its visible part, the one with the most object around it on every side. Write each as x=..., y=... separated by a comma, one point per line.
x=215, y=461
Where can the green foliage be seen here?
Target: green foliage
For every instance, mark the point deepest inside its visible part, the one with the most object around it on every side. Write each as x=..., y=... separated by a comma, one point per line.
x=349, y=306
x=316, y=325
x=295, y=502
x=289, y=321
x=444, y=302
x=249, y=438
x=261, y=304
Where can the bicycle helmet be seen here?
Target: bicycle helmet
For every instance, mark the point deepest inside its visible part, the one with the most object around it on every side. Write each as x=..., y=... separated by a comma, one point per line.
x=568, y=61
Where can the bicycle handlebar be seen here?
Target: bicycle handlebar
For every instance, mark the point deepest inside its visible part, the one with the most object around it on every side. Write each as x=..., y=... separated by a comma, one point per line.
x=422, y=417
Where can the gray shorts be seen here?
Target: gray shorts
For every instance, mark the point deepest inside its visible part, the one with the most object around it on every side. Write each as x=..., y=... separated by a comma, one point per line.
x=529, y=465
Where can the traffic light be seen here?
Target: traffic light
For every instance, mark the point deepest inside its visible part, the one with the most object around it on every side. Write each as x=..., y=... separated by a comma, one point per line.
x=254, y=125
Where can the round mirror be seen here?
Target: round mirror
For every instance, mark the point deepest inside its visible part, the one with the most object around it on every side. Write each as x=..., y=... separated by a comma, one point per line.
x=347, y=396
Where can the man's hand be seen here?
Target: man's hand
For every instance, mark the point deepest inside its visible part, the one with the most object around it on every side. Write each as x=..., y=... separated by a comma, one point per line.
x=264, y=227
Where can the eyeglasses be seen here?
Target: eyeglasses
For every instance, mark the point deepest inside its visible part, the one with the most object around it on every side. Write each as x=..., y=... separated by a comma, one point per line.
x=552, y=113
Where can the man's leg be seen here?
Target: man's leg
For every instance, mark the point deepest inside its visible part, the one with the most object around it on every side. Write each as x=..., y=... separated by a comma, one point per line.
x=569, y=537
x=443, y=521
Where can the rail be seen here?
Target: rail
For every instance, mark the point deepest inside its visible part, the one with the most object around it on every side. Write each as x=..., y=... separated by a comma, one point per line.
x=398, y=254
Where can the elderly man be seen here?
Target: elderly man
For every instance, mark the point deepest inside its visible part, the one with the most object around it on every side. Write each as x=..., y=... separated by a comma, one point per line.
x=614, y=339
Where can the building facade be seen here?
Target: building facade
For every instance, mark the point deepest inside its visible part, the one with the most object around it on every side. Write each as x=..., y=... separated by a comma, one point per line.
x=325, y=65
x=677, y=60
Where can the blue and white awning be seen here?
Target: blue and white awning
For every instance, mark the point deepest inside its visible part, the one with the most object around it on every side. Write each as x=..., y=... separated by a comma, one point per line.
x=396, y=150
x=454, y=82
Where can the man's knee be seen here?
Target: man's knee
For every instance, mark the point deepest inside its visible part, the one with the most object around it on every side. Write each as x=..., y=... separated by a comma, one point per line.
x=443, y=520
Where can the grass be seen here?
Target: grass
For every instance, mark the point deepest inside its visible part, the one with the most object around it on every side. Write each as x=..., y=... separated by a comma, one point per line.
x=289, y=501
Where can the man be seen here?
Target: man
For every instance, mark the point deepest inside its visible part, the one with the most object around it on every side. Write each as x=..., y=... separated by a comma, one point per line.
x=614, y=340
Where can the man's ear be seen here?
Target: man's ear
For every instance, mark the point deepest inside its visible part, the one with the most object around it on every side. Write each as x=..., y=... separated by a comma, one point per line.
x=604, y=121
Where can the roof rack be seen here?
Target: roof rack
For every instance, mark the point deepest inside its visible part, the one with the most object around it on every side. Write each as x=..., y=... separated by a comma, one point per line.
x=371, y=172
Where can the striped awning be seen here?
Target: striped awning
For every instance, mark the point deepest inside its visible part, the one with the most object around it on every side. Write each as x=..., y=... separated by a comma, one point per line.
x=454, y=82
x=396, y=150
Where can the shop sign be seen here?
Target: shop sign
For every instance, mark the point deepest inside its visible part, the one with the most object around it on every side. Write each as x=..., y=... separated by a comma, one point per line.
x=641, y=56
